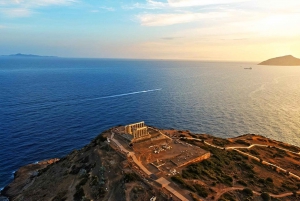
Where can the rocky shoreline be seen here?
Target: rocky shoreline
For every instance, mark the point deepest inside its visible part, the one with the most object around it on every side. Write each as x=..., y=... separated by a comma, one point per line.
x=102, y=171
x=23, y=177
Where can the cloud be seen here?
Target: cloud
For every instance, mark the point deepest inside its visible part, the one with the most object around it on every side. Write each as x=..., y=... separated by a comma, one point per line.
x=149, y=5
x=16, y=12
x=24, y=8
x=36, y=3
x=175, y=18
x=107, y=8
x=170, y=38
x=190, y=3
x=170, y=12
x=153, y=4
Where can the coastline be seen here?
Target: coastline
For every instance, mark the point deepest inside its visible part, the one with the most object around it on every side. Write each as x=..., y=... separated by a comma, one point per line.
x=26, y=175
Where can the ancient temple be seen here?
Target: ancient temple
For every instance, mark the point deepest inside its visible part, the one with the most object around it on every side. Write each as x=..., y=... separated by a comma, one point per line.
x=137, y=130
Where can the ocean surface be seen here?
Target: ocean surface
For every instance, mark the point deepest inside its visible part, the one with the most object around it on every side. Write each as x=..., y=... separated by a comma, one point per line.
x=51, y=106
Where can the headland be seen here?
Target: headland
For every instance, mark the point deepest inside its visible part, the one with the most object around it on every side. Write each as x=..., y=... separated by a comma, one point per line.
x=288, y=60
x=140, y=162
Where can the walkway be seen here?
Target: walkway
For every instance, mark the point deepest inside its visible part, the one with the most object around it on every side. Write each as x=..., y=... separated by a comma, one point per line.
x=249, y=155
x=255, y=158
x=174, y=192
x=145, y=170
x=225, y=190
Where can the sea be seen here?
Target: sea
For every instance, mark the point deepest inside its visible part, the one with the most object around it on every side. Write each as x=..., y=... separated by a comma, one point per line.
x=51, y=106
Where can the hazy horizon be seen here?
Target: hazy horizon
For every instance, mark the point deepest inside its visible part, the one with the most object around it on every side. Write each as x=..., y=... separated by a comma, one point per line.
x=228, y=30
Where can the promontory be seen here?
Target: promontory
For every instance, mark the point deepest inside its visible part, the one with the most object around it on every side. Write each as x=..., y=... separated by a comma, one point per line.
x=288, y=60
x=143, y=163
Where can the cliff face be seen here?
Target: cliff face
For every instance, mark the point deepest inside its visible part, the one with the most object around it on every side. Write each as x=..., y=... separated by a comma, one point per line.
x=102, y=170
x=288, y=60
x=78, y=174
x=94, y=172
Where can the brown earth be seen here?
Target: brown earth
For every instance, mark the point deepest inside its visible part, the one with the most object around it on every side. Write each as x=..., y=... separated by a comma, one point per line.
x=100, y=171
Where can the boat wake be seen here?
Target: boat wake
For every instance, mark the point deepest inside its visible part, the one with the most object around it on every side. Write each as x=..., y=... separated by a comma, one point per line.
x=119, y=95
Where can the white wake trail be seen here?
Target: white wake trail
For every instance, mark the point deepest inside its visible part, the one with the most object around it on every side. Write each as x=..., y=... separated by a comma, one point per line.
x=119, y=95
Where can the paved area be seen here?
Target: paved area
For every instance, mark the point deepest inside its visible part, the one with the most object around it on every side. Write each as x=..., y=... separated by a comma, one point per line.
x=141, y=166
x=165, y=183
x=174, y=192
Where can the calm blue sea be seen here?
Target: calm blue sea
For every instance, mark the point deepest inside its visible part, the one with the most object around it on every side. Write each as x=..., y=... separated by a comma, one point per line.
x=51, y=106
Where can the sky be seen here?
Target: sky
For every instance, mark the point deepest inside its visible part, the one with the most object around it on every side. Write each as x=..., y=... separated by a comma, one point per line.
x=230, y=30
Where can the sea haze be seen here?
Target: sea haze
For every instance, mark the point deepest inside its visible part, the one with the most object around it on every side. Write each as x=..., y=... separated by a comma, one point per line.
x=51, y=106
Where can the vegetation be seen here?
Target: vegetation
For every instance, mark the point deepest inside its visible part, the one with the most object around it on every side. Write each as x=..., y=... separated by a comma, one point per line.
x=201, y=190
x=100, y=138
x=270, y=180
x=280, y=153
x=61, y=196
x=265, y=196
x=130, y=177
x=79, y=194
x=242, y=142
x=242, y=182
x=179, y=180
x=81, y=183
x=94, y=181
x=220, y=142
x=247, y=192
x=214, y=167
x=194, y=197
x=289, y=186
x=254, y=152
x=227, y=197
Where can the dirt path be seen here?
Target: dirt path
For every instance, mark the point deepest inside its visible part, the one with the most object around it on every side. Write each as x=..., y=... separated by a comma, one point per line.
x=225, y=190
x=249, y=155
x=144, y=169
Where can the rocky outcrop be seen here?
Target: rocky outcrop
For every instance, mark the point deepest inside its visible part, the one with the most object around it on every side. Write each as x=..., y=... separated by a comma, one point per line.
x=25, y=176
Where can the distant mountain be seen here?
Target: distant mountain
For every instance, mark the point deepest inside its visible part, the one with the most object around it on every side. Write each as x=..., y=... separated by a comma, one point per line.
x=25, y=55
x=288, y=60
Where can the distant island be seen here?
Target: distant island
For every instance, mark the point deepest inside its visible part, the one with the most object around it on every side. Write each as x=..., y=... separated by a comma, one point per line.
x=25, y=55
x=288, y=60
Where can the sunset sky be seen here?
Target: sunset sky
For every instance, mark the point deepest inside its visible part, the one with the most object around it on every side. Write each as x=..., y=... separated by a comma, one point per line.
x=237, y=30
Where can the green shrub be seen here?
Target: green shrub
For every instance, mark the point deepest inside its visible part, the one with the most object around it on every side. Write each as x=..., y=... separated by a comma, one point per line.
x=78, y=194
x=61, y=196
x=178, y=179
x=194, y=197
x=94, y=181
x=265, y=196
x=227, y=197
x=99, y=138
x=129, y=177
x=242, y=182
x=270, y=180
x=220, y=142
x=254, y=152
x=242, y=142
x=247, y=191
x=289, y=185
x=202, y=191
x=81, y=183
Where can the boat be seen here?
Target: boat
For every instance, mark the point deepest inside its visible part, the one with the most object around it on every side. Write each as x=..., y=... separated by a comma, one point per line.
x=250, y=68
